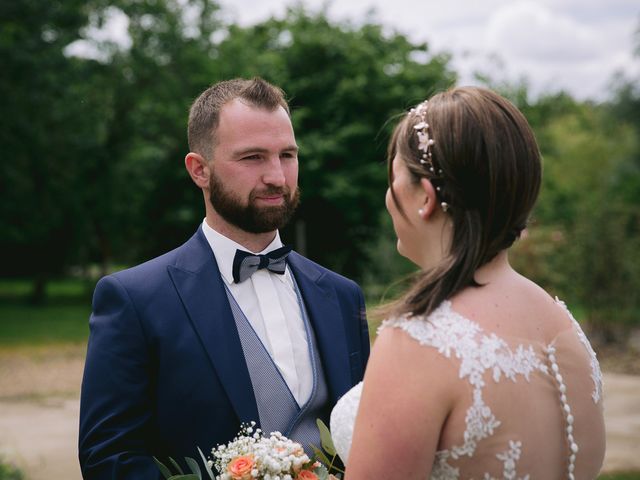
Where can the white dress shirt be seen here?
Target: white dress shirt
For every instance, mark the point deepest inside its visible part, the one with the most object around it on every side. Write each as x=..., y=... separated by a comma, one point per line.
x=270, y=303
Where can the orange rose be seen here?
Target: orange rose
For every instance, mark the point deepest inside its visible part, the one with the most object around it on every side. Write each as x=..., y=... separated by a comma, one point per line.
x=307, y=475
x=240, y=467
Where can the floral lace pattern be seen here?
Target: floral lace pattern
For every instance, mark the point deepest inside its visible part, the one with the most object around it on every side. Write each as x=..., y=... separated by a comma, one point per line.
x=596, y=374
x=509, y=459
x=482, y=356
x=453, y=334
x=343, y=417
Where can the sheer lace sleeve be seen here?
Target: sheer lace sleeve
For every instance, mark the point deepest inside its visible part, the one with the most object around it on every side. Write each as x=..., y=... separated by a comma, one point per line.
x=527, y=401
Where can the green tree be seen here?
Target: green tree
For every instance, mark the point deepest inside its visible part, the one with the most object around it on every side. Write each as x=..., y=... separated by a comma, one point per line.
x=142, y=191
x=584, y=242
x=45, y=131
x=93, y=149
x=84, y=141
x=345, y=82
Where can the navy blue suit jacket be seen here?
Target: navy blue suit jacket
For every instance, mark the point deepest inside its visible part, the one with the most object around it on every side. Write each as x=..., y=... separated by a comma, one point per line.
x=165, y=372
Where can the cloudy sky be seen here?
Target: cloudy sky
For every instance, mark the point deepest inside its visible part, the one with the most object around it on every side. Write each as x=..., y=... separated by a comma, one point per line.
x=575, y=45
x=572, y=45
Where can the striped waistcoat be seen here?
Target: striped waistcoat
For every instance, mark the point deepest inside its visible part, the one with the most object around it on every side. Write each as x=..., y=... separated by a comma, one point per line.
x=277, y=408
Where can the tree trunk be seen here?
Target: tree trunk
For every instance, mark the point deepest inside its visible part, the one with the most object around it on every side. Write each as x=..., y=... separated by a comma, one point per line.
x=38, y=292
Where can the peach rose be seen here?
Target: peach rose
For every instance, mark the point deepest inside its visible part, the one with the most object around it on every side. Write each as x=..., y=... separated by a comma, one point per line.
x=240, y=467
x=307, y=475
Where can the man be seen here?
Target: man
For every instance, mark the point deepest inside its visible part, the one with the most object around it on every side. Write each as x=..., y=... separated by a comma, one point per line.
x=187, y=346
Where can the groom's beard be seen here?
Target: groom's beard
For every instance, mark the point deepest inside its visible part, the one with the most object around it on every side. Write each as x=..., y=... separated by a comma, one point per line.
x=250, y=217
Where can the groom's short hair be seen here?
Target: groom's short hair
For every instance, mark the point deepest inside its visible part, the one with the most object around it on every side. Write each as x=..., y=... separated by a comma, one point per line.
x=204, y=114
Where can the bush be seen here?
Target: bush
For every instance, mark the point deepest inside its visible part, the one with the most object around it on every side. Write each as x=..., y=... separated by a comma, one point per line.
x=9, y=472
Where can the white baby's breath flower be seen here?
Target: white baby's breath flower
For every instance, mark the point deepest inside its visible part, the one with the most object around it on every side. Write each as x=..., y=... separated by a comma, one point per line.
x=275, y=456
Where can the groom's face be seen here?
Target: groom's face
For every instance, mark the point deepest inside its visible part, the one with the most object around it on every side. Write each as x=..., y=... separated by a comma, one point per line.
x=254, y=171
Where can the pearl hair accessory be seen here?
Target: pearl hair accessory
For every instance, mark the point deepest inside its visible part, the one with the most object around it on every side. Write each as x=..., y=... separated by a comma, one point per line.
x=425, y=142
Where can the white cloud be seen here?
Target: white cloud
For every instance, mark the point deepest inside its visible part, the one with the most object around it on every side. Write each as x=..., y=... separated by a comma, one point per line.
x=557, y=50
x=247, y=12
x=114, y=30
x=531, y=32
x=575, y=45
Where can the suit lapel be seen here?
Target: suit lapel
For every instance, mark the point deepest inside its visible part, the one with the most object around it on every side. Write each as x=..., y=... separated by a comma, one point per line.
x=197, y=279
x=327, y=321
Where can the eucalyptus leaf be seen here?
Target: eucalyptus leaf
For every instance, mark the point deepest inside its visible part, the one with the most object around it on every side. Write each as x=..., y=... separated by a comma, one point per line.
x=325, y=437
x=176, y=466
x=320, y=455
x=206, y=464
x=193, y=465
x=166, y=473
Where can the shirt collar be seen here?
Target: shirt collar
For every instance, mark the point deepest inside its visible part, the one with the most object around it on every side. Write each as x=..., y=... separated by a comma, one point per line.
x=224, y=249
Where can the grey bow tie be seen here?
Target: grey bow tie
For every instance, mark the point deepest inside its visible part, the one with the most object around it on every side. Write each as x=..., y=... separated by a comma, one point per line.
x=245, y=263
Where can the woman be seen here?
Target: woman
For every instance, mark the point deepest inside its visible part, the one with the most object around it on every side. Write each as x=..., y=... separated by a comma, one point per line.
x=477, y=373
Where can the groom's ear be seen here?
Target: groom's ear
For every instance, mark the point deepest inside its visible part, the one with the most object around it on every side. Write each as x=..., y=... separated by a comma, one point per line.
x=198, y=168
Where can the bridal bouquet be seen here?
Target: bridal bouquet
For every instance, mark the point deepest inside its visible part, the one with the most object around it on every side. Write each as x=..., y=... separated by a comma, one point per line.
x=252, y=455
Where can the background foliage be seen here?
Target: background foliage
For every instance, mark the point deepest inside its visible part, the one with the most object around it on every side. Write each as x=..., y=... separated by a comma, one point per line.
x=92, y=149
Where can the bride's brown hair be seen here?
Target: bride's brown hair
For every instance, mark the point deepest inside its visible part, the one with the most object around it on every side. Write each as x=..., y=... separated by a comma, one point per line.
x=488, y=169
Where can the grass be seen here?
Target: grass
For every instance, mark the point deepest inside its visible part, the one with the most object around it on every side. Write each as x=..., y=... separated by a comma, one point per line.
x=64, y=317
x=28, y=325
x=62, y=290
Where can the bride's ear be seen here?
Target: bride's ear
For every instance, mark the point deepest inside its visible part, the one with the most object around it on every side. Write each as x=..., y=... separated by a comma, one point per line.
x=429, y=199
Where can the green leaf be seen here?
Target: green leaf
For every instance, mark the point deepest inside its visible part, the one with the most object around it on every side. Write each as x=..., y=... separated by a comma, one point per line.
x=166, y=473
x=320, y=455
x=206, y=464
x=176, y=466
x=193, y=465
x=190, y=476
x=325, y=437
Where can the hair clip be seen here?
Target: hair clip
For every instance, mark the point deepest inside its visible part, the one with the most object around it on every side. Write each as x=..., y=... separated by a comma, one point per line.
x=425, y=142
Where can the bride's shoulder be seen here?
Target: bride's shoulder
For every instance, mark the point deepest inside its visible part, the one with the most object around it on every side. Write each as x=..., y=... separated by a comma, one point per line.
x=443, y=328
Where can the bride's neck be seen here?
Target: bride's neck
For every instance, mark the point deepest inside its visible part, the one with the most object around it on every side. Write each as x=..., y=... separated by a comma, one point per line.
x=496, y=267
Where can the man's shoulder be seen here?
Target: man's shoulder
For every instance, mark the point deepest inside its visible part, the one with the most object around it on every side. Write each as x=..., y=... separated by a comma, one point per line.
x=155, y=268
x=157, y=263
x=324, y=272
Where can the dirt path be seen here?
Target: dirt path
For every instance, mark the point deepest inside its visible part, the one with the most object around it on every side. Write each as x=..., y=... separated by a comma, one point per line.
x=39, y=414
x=39, y=408
x=622, y=421
x=40, y=437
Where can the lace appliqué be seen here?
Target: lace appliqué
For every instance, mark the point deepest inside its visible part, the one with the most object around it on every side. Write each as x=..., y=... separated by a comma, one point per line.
x=596, y=374
x=453, y=334
x=509, y=460
x=342, y=420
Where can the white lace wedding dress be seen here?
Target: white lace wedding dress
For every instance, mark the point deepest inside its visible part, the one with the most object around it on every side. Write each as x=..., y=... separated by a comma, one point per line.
x=534, y=411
